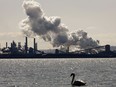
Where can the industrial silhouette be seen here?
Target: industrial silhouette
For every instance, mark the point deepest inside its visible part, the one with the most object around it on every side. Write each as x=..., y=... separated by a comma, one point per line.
x=19, y=51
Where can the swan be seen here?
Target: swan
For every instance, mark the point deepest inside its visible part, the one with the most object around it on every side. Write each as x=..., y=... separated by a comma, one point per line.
x=76, y=83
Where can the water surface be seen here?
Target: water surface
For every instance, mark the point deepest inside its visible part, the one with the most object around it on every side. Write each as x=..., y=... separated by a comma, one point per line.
x=56, y=72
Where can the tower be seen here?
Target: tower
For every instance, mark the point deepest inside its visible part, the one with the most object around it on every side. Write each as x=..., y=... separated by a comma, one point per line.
x=26, y=45
x=35, y=45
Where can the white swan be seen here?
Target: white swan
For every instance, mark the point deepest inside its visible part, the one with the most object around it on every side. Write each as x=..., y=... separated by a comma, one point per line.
x=76, y=83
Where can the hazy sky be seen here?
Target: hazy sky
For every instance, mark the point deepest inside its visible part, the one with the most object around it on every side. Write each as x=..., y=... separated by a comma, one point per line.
x=96, y=17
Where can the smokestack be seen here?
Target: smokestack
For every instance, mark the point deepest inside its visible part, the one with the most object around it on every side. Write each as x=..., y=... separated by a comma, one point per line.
x=34, y=45
x=6, y=44
x=26, y=44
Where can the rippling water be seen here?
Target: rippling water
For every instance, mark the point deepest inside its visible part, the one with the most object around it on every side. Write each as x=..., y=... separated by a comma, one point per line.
x=56, y=72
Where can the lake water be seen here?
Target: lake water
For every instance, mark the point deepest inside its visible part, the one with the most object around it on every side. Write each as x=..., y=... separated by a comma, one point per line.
x=56, y=72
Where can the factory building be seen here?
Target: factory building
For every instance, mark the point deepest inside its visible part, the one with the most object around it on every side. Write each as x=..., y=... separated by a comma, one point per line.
x=17, y=49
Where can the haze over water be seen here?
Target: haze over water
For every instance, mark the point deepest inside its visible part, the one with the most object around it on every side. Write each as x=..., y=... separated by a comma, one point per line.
x=56, y=72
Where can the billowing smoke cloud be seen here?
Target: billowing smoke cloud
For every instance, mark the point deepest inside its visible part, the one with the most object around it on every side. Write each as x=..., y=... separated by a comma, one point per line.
x=50, y=28
x=80, y=38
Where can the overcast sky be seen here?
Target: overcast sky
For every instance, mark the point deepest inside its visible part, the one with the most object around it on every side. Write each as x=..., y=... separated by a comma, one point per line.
x=96, y=17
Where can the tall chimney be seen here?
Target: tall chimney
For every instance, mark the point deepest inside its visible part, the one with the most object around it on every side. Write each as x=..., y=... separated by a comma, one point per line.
x=26, y=44
x=34, y=45
x=6, y=44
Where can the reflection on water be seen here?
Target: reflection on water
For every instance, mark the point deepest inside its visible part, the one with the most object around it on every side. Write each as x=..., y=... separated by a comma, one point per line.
x=56, y=72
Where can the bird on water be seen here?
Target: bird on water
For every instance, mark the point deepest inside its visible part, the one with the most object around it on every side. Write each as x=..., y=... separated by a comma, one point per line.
x=76, y=83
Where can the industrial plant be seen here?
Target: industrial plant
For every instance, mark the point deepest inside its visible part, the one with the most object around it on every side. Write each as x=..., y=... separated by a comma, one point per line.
x=19, y=51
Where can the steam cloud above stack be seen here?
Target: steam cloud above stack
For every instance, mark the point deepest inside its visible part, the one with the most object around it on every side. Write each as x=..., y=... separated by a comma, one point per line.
x=51, y=29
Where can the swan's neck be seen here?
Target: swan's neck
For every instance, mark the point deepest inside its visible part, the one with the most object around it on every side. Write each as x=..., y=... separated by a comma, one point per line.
x=73, y=77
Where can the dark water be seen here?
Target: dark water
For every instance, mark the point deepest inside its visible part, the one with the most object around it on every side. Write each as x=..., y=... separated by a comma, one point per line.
x=56, y=72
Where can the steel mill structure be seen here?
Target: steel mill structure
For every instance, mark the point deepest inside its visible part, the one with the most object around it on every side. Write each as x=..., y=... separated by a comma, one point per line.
x=19, y=51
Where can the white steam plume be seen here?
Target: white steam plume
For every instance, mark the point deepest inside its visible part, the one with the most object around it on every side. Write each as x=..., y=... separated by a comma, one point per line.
x=81, y=39
x=50, y=28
